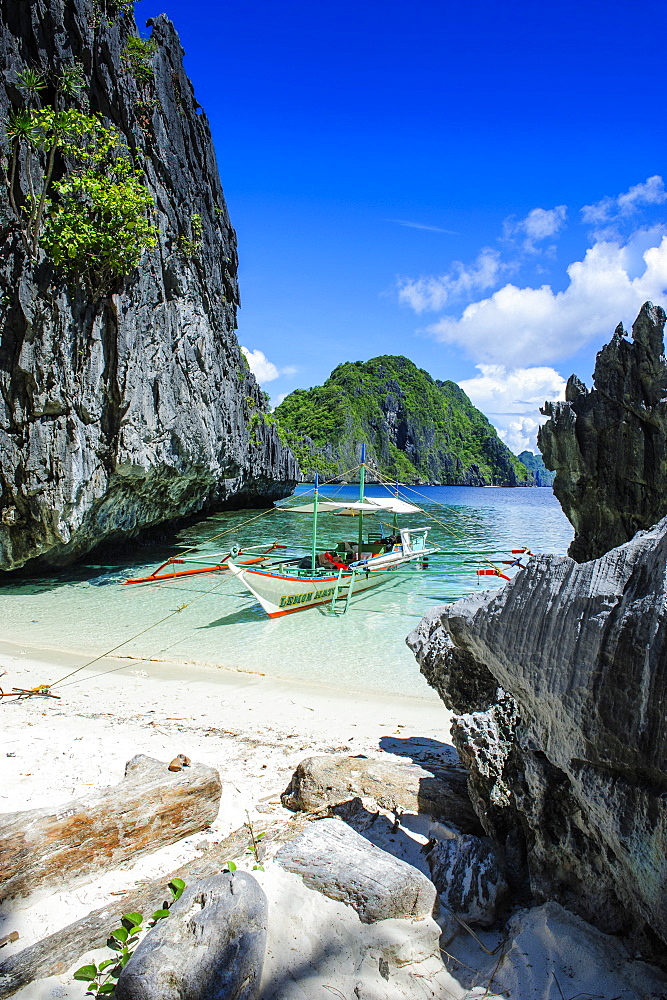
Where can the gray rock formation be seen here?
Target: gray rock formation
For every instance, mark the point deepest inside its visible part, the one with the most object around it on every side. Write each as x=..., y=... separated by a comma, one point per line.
x=608, y=445
x=440, y=791
x=341, y=864
x=568, y=758
x=138, y=408
x=468, y=873
x=210, y=947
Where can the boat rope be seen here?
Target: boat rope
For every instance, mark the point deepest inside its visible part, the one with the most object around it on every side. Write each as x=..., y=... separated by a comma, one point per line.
x=257, y=517
x=494, y=571
x=108, y=652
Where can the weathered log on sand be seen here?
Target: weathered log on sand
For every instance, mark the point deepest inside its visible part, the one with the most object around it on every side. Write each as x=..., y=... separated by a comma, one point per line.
x=55, y=954
x=150, y=808
x=341, y=864
x=440, y=791
x=211, y=948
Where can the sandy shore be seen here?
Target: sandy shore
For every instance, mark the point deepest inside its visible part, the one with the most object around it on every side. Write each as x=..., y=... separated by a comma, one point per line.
x=255, y=730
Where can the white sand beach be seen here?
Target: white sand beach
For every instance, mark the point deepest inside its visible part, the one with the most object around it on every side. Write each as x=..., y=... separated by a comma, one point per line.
x=254, y=730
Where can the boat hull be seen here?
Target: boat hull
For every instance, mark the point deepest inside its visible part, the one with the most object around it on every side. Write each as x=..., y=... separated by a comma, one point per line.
x=283, y=595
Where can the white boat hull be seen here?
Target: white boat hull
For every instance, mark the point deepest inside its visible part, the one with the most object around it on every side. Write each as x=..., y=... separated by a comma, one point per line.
x=283, y=595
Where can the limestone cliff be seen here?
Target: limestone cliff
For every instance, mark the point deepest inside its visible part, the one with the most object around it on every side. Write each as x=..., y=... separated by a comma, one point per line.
x=559, y=680
x=415, y=428
x=608, y=444
x=535, y=465
x=136, y=408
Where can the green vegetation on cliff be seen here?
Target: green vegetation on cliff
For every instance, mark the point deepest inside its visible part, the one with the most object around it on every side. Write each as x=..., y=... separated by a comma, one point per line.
x=416, y=429
x=542, y=475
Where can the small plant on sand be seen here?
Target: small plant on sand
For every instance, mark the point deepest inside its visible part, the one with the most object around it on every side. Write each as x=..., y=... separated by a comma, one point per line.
x=123, y=940
x=255, y=846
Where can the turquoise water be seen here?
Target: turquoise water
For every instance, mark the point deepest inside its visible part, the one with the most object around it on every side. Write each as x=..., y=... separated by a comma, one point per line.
x=86, y=608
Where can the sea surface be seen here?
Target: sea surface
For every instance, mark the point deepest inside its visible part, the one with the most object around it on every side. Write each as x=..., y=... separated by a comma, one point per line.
x=210, y=619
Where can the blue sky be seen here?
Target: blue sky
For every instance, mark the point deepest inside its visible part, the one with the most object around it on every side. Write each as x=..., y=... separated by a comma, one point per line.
x=477, y=186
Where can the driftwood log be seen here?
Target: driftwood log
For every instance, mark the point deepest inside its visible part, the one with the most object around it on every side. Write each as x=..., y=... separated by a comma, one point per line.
x=150, y=808
x=211, y=948
x=441, y=791
x=55, y=954
x=339, y=863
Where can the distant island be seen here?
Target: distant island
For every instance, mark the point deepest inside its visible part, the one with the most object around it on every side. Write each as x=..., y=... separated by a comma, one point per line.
x=542, y=475
x=416, y=429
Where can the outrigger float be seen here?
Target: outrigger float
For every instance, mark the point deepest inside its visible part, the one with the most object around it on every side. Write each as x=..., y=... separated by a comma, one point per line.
x=285, y=585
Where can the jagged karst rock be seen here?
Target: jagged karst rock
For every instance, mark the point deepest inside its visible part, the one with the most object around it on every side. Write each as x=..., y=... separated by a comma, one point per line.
x=341, y=864
x=574, y=755
x=441, y=791
x=150, y=808
x=211, y=947
x=138, y=408
x=609, y=445
x=468, y=873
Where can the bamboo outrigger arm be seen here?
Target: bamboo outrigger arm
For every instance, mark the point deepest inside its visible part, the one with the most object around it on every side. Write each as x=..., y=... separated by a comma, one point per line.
x=218, y=563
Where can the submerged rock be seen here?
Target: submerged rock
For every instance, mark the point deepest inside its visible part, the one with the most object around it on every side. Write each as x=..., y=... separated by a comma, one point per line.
x=608, y=444
x=568, y=758
x=138, y=407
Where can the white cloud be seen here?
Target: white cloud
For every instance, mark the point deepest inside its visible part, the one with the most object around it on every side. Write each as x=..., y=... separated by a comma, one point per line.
x=278, y=399
x=524, y=326
x=539, y=224
x=511, y=399
x=434, y=293
x=651, y=192
x=263, y=369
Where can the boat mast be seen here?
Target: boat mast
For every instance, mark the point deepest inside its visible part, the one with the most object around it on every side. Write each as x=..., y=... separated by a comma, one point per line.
x=314, y=544
x=395, y=529
x=362, y=480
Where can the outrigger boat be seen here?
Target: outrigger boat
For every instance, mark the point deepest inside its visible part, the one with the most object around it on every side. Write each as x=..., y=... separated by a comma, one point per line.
x=285, y=585
x=327, y=577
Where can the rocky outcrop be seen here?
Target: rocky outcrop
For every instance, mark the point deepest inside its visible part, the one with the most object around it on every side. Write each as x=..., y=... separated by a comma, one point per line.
x=416, y=428
x=608, y=445
x=560, y=684
x=468, y=873
x=440, y=791
x=139, y=407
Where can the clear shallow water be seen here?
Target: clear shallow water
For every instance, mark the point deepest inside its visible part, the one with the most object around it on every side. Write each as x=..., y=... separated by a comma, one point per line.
x=86, y=608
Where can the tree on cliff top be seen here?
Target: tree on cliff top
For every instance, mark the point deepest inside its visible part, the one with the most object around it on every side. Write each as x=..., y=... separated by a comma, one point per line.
x=93, y=221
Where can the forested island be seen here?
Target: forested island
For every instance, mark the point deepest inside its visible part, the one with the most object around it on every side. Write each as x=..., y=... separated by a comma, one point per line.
x=416, y=428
